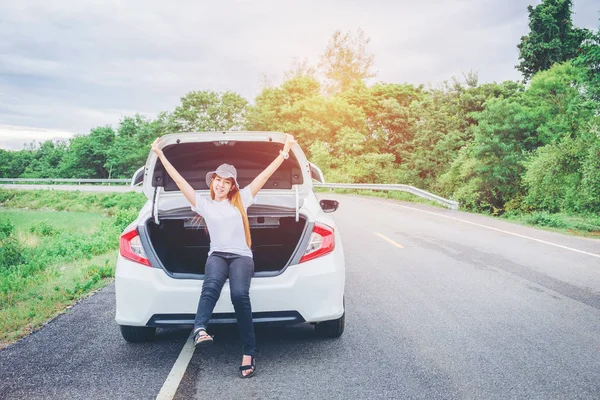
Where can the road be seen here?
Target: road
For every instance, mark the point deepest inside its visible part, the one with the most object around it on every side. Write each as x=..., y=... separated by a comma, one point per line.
x=440, y=305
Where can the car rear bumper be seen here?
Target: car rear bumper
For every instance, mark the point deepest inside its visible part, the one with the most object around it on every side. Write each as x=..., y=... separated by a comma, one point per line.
x=270, y=318
x=312, y=291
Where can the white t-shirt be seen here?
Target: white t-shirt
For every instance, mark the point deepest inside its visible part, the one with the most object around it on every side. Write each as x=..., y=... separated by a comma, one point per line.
x=224, y=222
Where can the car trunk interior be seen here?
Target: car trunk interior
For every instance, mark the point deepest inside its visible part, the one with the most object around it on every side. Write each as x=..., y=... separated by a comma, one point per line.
x=182, y=244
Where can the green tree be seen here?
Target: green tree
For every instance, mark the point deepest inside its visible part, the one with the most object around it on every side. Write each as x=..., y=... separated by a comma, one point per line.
x=6, y=158
x=300, y=69
x=552, y=37
x=298, y=107
x=131, y=146
x=279, y=108
x=13, y=163
x=487, y=173
x=440, y=125
x=346, y=60
x=322, y=118
x=590, y=180
x=555, y=102
x=529, y=149
x=87, y=154
x=553, y=176
x=205, y=110
x=45, y=160
x=387, y=114
x=346, y=160
x=590, y=60
x=562, y=174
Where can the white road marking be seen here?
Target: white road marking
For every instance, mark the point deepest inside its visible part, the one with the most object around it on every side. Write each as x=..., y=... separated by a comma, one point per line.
x=494, y=229
x=169, y=388
x=389, y=240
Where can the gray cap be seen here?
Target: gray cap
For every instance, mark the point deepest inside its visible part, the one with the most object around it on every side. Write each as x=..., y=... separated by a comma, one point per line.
x=224, y=171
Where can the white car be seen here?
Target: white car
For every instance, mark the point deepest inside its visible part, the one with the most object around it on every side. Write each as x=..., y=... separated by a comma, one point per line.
x=298, y=255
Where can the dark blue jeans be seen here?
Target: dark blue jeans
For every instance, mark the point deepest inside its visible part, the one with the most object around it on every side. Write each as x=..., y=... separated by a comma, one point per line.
x=239, y=270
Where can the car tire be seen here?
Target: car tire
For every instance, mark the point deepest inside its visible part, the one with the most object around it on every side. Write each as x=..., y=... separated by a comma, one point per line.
x=331, y=329
x=137, y=334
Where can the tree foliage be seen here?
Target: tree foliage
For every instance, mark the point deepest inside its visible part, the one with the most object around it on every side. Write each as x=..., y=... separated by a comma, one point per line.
x=46, y=160
x=589, y=59
x=13, y=163
x=552, y=37
x=87, y=154
x=346, y=60
x=205, y=110
x=493, y=161
x=132, y=141
x=494, y=147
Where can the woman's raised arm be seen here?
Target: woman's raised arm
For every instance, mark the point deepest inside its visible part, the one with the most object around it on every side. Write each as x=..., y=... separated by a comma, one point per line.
x=182, y=184
x=264, y=176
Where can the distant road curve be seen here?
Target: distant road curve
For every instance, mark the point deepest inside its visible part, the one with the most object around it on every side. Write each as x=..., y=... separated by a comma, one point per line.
x=81, y=188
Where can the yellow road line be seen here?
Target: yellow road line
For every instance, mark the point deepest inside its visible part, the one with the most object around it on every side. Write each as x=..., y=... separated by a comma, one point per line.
x=491, y=228
x=389, y=240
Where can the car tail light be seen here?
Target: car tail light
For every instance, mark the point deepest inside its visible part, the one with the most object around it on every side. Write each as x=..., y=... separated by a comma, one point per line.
x=131, y=247
x=321, y=243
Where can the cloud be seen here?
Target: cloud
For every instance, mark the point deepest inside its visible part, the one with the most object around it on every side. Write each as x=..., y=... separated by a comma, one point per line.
x=14, y=137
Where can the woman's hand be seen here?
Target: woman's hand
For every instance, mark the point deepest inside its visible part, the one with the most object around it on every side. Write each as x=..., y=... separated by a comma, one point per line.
x=156, y=147
x=289, y=142
x=264, y=176
x=182, y=184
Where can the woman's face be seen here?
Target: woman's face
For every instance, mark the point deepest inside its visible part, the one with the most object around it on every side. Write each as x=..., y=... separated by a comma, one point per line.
x=221, y=186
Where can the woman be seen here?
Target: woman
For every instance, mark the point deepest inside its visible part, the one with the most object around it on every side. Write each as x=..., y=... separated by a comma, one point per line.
x=230, y=255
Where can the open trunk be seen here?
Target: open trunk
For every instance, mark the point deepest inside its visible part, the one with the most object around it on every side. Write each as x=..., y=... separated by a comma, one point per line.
x=182, y=243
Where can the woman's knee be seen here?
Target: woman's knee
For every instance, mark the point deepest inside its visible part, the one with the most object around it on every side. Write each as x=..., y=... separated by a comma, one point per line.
x=212, y=286
x=240, y=297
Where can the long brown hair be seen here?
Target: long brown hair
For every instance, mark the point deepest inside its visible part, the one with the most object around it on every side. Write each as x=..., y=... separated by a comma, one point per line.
x=235, y=199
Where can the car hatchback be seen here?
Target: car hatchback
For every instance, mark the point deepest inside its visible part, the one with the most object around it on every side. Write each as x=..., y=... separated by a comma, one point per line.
x=298, y=255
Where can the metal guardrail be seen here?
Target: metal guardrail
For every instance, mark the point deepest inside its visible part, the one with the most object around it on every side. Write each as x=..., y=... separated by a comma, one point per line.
x=60, y=180
x=451, y=204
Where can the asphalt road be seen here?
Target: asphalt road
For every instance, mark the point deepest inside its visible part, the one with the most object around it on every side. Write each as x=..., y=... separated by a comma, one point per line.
x=440, y=305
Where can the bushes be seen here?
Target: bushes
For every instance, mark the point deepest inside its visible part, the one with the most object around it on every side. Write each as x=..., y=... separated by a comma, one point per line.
x=545, y=219
x=590, y=179
x=44, y=229
x=47, y=263
x=553, y=177
x=11, y=250
x=564, y=177
x=51, y=244
x=124, y=217
x=6, y=229
x=71, y=201
x=580, y=223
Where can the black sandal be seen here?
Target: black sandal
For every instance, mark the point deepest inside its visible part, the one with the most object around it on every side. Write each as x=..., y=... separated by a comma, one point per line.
x=252, y=366
x=202, y=339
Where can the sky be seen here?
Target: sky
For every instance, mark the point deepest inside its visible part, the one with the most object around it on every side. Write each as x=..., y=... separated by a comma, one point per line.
x=69, y=66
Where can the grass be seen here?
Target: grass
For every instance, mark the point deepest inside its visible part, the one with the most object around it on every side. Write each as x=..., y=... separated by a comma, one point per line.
x=59, y=220
x=578, y=225
x=55, y=200
x=55, y=248
x=54, y=290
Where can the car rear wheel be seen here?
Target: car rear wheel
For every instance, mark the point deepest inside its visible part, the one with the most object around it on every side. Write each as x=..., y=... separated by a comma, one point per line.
x=331, y=329
x=136, y=334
